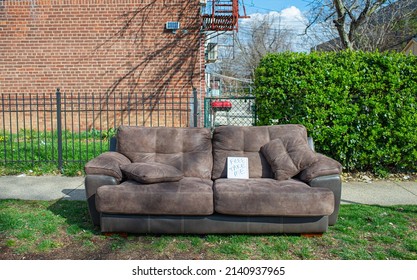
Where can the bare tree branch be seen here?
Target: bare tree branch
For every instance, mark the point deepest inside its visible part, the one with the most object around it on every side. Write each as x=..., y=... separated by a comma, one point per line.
x=361, y=24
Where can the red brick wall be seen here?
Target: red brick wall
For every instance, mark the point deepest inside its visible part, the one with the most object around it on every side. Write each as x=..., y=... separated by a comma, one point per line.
x=100, y=46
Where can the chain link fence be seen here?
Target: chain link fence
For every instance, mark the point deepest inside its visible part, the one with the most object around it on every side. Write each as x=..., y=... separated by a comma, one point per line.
x=239, y=111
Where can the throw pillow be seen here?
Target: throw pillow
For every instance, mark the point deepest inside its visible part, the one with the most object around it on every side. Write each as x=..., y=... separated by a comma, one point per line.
x=288, y=160
x=151, y=172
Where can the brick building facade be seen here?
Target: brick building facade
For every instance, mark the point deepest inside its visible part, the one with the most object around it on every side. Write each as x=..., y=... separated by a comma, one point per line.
x=102, y=47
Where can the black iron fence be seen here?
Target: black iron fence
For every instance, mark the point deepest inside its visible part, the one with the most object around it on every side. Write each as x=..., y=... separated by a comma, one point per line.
x=67, y=129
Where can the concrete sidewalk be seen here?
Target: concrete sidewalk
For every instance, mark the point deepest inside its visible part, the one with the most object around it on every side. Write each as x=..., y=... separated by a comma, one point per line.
x=72, y=188
x=42, y=187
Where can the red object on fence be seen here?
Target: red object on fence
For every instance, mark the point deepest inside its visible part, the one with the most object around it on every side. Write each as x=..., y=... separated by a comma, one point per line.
x=221, y=105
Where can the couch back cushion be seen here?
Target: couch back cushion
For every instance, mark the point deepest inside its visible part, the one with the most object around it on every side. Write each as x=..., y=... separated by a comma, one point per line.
x=235, y=141
x=187, y=149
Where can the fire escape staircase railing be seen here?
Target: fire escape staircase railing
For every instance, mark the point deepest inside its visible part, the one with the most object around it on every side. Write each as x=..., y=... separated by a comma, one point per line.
x=223, y=16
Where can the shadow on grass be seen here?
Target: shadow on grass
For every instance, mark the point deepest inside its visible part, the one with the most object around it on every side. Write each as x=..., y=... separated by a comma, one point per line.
x=75, y=214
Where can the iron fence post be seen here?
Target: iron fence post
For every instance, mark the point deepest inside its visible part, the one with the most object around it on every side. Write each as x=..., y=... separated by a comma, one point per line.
x=59, y=127
x=195, y=108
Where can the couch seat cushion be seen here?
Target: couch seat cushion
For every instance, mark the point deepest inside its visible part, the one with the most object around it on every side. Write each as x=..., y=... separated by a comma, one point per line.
x=151, y=172
x=189, y=196
x=269, y=197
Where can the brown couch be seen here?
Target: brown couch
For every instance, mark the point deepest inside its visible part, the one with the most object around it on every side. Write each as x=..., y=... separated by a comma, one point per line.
x=174, y=180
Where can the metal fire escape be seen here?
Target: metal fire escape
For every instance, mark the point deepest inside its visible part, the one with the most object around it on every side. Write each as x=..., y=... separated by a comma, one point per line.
x=222, y=15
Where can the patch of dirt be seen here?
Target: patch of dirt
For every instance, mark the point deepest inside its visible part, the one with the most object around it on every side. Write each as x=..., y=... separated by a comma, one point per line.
x=103, y=250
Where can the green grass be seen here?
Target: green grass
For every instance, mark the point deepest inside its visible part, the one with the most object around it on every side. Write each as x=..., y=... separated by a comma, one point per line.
x=62, y=230
x=36, y=153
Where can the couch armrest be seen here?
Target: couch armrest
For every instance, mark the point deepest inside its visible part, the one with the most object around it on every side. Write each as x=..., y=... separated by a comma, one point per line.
x=323, y=167
x=92, y=183
x=334, y=183
x=108, y=164
x=325, y=173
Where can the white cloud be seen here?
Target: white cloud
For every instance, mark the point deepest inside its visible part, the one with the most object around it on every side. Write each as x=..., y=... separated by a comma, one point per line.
x=289, y=18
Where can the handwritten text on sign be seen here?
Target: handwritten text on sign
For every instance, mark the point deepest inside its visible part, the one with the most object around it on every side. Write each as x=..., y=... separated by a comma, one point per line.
x=237, y=167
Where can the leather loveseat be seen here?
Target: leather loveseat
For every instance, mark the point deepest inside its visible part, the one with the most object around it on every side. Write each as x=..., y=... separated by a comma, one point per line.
x=174, y=180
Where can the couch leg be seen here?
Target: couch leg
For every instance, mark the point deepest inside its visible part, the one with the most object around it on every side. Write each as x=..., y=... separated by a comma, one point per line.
x=120, y=234
x=310, y=235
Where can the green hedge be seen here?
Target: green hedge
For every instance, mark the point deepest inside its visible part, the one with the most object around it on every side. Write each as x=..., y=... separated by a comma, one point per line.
x=360, y=108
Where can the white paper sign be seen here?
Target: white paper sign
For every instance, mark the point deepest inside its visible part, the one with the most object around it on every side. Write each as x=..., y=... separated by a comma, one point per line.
x=237, y=167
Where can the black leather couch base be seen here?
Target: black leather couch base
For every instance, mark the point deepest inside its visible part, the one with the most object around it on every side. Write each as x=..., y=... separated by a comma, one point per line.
x=213, y=224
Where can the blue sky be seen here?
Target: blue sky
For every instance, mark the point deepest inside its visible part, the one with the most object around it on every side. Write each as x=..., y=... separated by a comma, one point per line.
x=266, y=6
x=290, y=13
